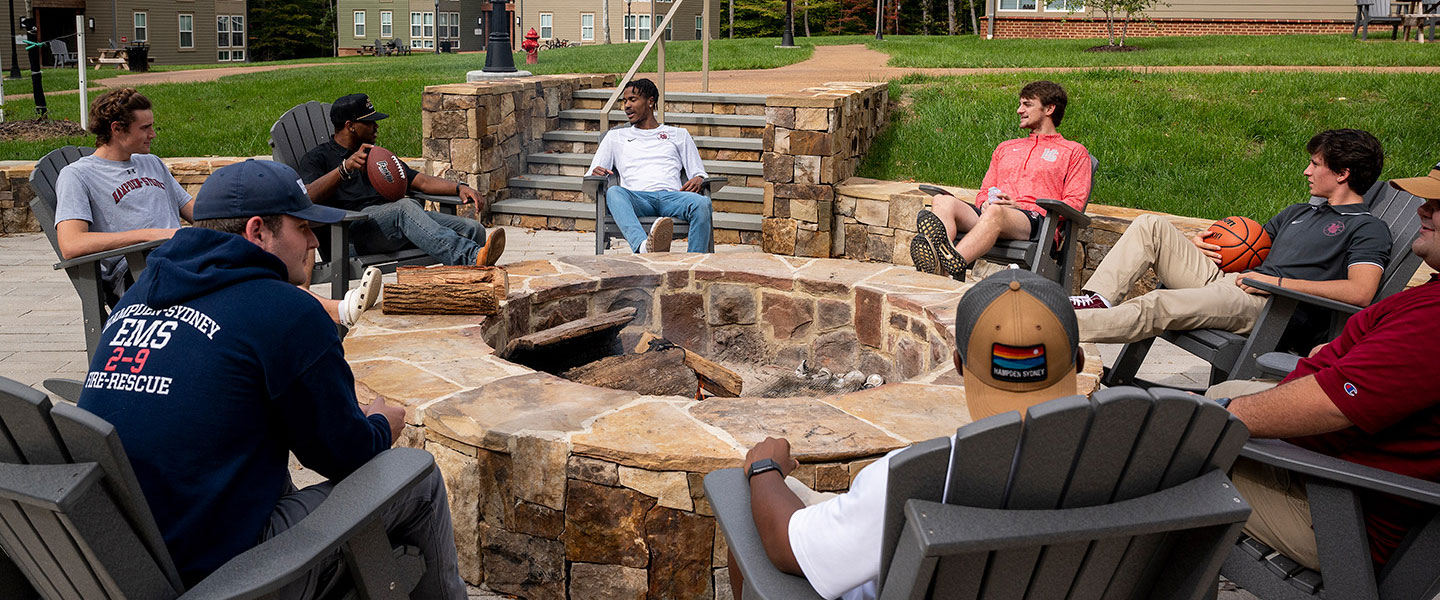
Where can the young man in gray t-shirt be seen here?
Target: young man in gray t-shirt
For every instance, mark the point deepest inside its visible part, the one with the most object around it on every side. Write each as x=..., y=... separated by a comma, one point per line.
x=123, y=195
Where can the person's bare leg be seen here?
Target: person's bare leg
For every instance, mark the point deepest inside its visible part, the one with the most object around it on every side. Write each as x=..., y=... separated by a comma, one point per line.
x=993, y=224
x=957, y=215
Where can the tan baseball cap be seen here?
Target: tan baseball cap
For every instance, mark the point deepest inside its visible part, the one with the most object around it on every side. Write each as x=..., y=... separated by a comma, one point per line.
x=1018, y=342
x=1427, y=187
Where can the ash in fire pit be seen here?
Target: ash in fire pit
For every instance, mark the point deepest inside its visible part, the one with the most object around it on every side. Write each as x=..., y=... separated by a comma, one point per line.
x=805, y=381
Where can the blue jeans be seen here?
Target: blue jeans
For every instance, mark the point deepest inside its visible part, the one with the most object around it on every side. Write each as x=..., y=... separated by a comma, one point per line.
x=627, y=207
x=394, y=225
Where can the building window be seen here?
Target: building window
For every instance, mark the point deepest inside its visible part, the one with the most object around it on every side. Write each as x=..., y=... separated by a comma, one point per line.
x=230, y=37
x=629, y=28
x=187, y=31
x=454, y=26
x=1017, y=4
x=670, y=30
x=359, y=23
x=387, y=24
x=1064, y=5
x=142, y=27
x=429, y=30
x=415, y=27
x=587, y=27
x=547, y=26
x=699, y=27
x=644, y=26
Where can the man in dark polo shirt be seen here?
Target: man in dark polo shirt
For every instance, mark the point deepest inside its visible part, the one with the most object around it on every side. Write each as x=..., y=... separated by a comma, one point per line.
x=1332, y=248
x=1369, y=397
x=334, y=174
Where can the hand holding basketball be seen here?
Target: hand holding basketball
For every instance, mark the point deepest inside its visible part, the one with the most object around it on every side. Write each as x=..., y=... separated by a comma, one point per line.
x=386, y=174
x=1240, y=243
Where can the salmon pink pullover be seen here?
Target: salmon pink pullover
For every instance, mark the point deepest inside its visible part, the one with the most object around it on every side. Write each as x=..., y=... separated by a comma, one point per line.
x=1039, y=166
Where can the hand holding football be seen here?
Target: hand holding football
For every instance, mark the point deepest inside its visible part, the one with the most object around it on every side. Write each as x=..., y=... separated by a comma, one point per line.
x=386, y=174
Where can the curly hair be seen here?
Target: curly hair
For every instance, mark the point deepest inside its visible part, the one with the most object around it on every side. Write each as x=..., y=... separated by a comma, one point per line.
x=1352, y=150
x=644, y=88
x=1048, y=93
x=115, y=106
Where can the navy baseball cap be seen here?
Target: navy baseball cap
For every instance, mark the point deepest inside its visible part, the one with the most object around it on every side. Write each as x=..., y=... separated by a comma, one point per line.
x=259, y=188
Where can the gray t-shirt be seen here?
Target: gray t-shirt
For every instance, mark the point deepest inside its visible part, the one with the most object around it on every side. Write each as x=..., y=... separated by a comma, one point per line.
x=112, y=196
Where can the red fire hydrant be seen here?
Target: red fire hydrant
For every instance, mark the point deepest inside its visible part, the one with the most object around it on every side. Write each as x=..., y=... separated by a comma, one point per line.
x=531, y=45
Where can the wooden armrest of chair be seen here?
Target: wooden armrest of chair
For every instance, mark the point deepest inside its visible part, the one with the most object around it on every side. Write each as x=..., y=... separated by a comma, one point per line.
x=1064, y=211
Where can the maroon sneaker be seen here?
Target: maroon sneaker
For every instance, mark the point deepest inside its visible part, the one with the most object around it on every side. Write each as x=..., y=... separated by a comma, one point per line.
x=1088, y=300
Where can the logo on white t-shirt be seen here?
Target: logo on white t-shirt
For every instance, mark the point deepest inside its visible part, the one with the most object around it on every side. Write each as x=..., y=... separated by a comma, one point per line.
x=664, y=136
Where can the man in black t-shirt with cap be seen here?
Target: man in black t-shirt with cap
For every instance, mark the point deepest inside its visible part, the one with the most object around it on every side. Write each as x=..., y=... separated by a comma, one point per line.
x=334, y=174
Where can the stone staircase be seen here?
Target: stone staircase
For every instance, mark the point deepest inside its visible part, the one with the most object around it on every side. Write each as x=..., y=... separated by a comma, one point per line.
x=727, y=128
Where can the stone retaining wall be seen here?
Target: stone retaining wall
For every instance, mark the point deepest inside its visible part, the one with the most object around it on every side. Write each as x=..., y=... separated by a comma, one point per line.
x=814, y=139
x=1083, y=28
x=481, y=132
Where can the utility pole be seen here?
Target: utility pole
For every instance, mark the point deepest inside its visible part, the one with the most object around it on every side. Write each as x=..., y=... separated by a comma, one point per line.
x=787, y=39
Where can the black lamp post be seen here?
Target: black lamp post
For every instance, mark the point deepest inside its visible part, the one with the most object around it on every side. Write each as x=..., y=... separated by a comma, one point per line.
x=497, y=53
x=787, y=39
x=14, y=54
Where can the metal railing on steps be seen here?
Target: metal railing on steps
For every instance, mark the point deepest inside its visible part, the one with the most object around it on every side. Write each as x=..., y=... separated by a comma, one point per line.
x=657, y=42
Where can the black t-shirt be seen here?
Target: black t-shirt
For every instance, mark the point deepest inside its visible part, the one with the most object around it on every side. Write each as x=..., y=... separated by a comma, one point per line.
x=355, y=194
x=1320, y=242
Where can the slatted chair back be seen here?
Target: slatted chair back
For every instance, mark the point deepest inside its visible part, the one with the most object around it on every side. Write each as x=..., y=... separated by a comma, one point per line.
x=42, y=181
x=72, y=516
x=1068, y=455
x=298, y=130
x=1399, y=210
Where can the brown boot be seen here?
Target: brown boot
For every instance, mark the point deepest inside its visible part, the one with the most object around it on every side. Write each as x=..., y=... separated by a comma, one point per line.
x=490, y=253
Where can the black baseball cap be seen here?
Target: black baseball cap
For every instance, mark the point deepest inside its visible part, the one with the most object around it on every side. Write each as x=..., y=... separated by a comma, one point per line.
x=355, y=107
x=259, y=188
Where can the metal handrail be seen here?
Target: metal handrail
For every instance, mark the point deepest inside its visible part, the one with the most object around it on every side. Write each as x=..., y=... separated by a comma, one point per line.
x=658, y=35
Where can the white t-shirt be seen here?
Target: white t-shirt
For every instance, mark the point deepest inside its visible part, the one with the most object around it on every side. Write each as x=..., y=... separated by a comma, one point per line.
x=649, y=160
x=837, y=542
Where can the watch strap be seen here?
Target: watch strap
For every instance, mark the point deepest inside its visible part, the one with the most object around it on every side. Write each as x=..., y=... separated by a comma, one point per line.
x=761, y=466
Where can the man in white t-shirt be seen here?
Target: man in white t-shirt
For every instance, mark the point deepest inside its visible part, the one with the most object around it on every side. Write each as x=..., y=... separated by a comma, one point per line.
x=651, y=158
x=123, y=195
x=1017, y=345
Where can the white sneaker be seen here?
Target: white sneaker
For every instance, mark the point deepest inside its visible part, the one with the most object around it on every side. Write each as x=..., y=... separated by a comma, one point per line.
x=360, y=299
x=661, y=233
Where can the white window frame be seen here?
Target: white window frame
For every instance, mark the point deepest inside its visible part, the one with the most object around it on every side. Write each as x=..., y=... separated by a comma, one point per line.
x=358, y=23
x=1065, y=6
x=1018, y=5
x=226, y=48
x=237, y=31
x=427, y=19
x=699, y=27
x=181, y=26
x=544, y=18
x=630, y=28
x=643, y=29
x=454, y=33
x=584, y=37
x=669, y=29
x=140, y=31
x=387, y=24
x=416, y=29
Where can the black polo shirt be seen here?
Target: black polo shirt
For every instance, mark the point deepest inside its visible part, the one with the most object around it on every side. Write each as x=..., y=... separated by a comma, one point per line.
x=1320, y=242
x=354, y=194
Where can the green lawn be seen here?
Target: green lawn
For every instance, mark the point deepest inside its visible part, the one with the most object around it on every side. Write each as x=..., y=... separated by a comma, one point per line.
x=1207, y=145
x=974, y=51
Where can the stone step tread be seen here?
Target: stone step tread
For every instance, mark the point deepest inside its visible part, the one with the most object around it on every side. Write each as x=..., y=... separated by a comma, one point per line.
x=586, y=210
x=617, y=117
x=714, y=167
x=604, y=94
x=702, y=141
x=572, y=183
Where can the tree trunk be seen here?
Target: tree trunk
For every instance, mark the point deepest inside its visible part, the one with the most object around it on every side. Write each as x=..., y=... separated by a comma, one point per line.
x=1124, y=29
x=605, y=18
x=732, y=20
x=924, y=17
x=974, y=19
x=1110, y=25
x=950, y=21
x=806, y=18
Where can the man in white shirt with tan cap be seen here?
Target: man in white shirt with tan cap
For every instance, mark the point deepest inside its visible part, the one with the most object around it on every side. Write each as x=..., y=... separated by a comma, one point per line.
x=1017, y=344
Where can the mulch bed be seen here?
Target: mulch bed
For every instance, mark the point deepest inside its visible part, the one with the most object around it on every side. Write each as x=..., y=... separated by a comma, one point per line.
x=39, y=129
x=1109, y=48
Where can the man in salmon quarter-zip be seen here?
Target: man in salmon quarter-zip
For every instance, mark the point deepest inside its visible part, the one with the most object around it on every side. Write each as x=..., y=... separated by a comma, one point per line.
x=1022, y=171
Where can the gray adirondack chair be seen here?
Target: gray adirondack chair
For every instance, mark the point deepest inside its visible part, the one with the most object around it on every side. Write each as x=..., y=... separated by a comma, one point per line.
x=61, y=54
x=302, y=128
x=1234, y=356
x=1042, y=255
x=1335, y=488
x=595, y=186
x=1119, y=496
x=84, y=271
x=74, y=521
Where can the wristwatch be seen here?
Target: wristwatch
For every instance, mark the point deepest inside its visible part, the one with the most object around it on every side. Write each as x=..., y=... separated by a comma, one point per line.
x=761, y=466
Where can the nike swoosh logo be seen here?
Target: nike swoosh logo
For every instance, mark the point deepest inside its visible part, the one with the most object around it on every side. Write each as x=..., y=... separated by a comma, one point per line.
x=1296, y=221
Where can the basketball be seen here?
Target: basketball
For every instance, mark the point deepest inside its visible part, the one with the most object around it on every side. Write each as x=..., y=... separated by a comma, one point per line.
x=386, y=174
x=1243, y=243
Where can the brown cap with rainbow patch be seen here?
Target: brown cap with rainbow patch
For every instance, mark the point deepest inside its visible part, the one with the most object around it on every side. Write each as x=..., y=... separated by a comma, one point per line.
x=1018, y=342
x=1427, y=187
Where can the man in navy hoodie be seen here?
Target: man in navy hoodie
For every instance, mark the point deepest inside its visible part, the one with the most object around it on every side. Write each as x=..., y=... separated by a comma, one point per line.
x=214, y=367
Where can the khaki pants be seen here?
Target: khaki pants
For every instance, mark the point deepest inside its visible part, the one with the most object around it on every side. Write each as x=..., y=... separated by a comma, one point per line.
x=1280, y=515
x=1197, y=296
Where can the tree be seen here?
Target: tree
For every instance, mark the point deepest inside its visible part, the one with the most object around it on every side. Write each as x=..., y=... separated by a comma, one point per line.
x=281, y=29
x=759, y=18
x=950, y=20
x=1124, y=10
x=605, y=18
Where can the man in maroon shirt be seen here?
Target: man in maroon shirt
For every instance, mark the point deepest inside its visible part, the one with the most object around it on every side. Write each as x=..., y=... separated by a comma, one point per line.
x=1368, y=397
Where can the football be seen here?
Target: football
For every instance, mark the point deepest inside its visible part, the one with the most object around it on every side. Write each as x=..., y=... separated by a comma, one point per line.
x=1243, y=243
x=386, y=174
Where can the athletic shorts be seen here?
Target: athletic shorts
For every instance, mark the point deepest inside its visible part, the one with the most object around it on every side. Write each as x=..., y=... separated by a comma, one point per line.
x=1036, y=219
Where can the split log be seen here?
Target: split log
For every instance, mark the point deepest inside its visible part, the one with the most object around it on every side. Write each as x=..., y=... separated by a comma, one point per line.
x=659, y=373
x=714, y=378
x=609, y=322
x=458, y=290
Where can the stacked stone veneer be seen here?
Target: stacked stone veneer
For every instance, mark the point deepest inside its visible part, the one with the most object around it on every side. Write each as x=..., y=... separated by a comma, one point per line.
x=561, y=490
x=814, y=139
x=1080, y=27
x=481, y=132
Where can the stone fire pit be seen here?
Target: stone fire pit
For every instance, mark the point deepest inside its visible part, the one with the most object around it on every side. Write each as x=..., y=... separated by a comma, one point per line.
x=562, y=490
